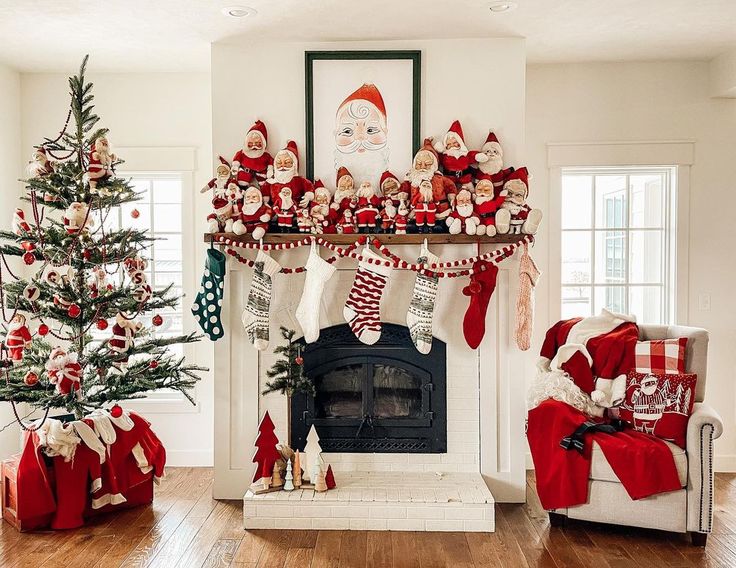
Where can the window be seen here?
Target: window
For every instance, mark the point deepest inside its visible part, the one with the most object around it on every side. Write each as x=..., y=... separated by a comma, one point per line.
x=618, y=242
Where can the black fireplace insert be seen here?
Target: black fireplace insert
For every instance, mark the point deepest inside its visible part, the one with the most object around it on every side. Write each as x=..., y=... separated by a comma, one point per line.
x=383, y=398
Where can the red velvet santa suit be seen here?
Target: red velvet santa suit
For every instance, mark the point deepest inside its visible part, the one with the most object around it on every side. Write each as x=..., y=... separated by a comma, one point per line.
x=256, y=219
x=366, y=211
x=17, y=339
x=299, y=187
x=253, y=169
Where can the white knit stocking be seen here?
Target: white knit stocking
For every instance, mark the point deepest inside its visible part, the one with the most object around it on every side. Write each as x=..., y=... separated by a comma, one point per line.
x=421, y=308
x=319, y=271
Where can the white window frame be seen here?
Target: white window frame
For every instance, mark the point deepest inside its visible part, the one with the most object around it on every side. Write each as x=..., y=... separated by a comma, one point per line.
x=623, y=154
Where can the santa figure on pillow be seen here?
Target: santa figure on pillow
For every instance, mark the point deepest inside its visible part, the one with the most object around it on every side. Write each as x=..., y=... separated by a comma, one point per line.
x=425, y=170
x=252, y=165
x=64, y=371
x=515, y=215
x=286, y=173
x=455, y=158
x=254, y=216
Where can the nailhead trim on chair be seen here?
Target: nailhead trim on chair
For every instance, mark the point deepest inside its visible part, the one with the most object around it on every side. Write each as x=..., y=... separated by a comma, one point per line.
x=710, y=478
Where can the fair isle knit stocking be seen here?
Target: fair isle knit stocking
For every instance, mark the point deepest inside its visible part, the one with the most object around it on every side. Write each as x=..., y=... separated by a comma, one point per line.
x=256, y=313
x=363, y=306
x=319, y=271
x=421, y=309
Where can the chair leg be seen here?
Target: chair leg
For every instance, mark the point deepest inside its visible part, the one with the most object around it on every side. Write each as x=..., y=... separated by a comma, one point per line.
x=556, y=519
x=698, y=538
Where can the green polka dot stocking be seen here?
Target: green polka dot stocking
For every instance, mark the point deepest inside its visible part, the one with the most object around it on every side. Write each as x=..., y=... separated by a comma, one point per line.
x=208, y=303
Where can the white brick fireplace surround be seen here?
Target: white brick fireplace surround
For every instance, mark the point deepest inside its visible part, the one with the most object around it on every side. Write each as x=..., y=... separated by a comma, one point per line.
x=448, y=491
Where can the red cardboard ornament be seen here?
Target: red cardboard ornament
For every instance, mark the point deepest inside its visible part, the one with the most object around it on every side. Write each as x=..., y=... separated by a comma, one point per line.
x=30, y=379
x=43, y=329
x=29, y=258
x=102, y=324
x=74, y=311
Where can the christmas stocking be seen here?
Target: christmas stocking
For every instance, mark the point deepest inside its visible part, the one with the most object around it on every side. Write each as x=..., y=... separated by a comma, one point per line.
x=362, y=308
x=421, y=309
x=256, y=313
x=319, y=271
x=208, y=303
x=480, y=290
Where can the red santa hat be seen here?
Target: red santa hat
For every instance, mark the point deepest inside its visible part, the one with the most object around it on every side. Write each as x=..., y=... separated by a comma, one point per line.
x=41, y=150
x=291, y=149
x=522, y=175
x=342, y=171
x=259, y=127
x=457, y=130
x=387, y=175
x=367, y=92
x=491, y=140
x=317, y=184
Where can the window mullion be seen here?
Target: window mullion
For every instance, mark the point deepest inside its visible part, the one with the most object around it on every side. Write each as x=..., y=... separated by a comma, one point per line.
x=592, y=246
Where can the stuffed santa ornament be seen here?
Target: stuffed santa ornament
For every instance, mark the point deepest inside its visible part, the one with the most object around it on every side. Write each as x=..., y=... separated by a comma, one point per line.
x=252, y=164
x=391, y=188
x=40, y=165
x=463, y=218
x=218, y=184
x=366, y=210
x=486, y=205
x=100, y=167
x=284, y=209
x=345, y=195
x=254, y=216
x=123, y=338
x=286, y=173
x=64, y=371
x=514, y=215
x=425, y=168
x=17, y=338
x=77, y=218
x=455, y=158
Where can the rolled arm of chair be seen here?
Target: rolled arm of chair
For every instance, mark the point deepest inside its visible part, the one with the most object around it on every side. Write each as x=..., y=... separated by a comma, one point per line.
x=704, y=426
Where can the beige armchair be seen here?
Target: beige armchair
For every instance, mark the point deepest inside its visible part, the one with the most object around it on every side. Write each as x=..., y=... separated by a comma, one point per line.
x=691, y=508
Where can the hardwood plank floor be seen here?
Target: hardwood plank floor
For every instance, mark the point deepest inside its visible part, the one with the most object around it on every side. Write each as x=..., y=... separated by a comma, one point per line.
x=186, y=527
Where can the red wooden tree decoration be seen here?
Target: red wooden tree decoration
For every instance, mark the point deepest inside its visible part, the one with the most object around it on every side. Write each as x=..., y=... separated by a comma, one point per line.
x=266, y=452
x=330, y=478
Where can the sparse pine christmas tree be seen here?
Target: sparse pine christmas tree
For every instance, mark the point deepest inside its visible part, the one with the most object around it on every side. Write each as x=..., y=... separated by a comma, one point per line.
x=82, y=279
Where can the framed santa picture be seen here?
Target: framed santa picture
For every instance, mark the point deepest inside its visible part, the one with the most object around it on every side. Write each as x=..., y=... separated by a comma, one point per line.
x=363, y=113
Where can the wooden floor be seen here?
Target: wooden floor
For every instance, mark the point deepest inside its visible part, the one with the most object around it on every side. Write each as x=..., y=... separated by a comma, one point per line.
x=185, y=527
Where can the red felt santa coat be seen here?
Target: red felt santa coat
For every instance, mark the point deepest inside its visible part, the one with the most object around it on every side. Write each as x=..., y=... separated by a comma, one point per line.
x=252, y=169
x=457, y=165
x=16, y=340
x=300, y=186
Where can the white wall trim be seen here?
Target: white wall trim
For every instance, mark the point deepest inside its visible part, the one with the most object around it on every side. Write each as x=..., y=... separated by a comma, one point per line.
x=621, y=153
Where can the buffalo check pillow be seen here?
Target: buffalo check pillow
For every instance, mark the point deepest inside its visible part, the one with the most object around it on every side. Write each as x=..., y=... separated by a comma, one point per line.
x=661, y=356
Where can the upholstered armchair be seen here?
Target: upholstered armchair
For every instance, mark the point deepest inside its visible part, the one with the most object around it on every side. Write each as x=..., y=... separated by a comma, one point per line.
x=691, y=508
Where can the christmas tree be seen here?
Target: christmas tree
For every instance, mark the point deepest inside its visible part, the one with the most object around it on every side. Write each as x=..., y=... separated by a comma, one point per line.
x=287, y=374
x=266, y=453
x=81, y=278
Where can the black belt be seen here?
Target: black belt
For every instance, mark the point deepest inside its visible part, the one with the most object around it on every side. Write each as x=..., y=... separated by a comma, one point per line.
x=459, y=174
x=576, y=441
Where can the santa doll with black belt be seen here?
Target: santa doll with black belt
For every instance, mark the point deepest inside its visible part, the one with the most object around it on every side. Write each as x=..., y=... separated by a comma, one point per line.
x=455, y=158
x=122, y=341
x=425, y=168
x=284, y=209
x=17, y=338
x=366, y=210
x=515, y=215
x=286, y=173
x=251, y=164
x=424, y=207
x=254, y=216
x=64, y=371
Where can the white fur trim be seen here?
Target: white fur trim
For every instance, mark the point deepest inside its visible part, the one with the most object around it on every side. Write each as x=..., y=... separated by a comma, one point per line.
x=123, y=421
x=566, y=352
x=557, y=385
x=609, y=392
x=108, y=499
x=140, y=457
x=543, y=364
x=96, y=485
x=90, y=439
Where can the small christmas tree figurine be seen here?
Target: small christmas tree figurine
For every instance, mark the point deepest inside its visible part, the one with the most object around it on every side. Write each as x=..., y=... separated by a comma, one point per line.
x=330, y=478
x=312, y=454
x=297, y=470
x=288, y=484
x=266, y=455
x=319, y=481
x=277, y=480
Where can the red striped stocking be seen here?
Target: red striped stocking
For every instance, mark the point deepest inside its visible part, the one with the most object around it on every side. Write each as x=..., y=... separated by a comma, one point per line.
x=362, y=308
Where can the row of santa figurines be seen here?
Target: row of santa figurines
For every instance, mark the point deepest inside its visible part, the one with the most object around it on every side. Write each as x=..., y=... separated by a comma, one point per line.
x=447, y=189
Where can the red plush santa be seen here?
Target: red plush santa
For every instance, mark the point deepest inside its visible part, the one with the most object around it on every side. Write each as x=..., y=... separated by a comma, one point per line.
x=463, y=218
x=486, y=205
x=17, y=338
x=425, y=168
x=64, y=371
x=252, y=163
x=514, y=215
x=255, y=215
x=346, y=223
x=345, y=194
x=390, y=187
x=99, y=284
x=218, y=184
x=76, y=218
x=284, y=209
x=494, y=164
x=123, y=338
x=226, y=206
x=402, y=218
x=366, y=209
x=388, y=215
x=286, y=173
x=100, y=167
x=455, y=158
x=303, y=220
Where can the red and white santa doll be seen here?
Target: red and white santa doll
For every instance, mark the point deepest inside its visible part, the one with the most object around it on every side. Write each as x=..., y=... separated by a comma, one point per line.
x=20, y=225
x=402, y=218
x=225, y=208
x=322, y=215
x=424, y=207
x=486, y=205
x=463, y=218
x=455, y=158
x=345, y=193
x=346, y=223
x=425, y=168
x=251, y=164
x=284, y=209
x=388, y=214
x=76, y=218
x=64, y=371
x=366, y=209
x=40, y=165
x=391, y=188
x=123, y=338
x=254, y=216
x=515, y=216
x=100, y=166
x=286, y=173
x=218, y=184
x=303, y=220
x=487, y=169
x=17, y=338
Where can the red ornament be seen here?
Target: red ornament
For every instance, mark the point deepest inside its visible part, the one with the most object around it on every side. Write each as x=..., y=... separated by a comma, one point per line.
x=30, y=379
x=43, y=329
x=28, y=246
x=73, y=311
x=153, y=364
x=116, y=411
x=29, y=258
x=102, y=324
x=157, y=320
x=86, y=254
x=135, y=213
x=299, y=360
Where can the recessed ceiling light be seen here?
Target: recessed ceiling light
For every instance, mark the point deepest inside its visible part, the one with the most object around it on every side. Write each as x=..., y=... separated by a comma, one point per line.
x=499, y=7
x=239, y=11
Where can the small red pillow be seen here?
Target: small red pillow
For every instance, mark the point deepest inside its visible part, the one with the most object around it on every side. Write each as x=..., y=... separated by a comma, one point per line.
x=661, y=356
x=660, y=404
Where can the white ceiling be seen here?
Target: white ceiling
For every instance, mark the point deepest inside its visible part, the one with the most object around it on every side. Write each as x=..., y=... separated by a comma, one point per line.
x=174, y=35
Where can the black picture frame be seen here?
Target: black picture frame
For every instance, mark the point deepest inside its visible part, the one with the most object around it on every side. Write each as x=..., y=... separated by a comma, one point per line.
x=415, y=56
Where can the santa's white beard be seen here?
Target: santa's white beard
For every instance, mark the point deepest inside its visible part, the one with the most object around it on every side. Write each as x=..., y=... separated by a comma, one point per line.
x=366, y=192
x=465, y=210
x=390, y=210
x=251, y=208
x=492, y=166
x=104, y=156
x=252, y=153
x=364, y=166
x=481, y=199
x=284, y=176
x=455, y=152
x=512, y=207
x=15, y=326
x=416, y=177
x=286, y=202
x=426, y=194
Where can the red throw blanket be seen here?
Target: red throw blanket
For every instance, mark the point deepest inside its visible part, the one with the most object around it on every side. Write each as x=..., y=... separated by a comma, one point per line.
x=644, y=464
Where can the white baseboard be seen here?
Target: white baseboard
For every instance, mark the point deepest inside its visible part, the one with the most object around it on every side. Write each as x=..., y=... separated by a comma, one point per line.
x=189, y=458
x=721, y=464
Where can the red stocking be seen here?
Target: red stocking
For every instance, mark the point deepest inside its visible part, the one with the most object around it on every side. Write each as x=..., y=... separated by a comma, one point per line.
x=481, y=287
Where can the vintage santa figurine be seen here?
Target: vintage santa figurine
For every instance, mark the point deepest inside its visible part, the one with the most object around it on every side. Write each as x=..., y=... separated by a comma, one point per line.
x=402, y=218
x=366, y=209
x=40, y=165
x=515, y=216
x=218, y=184
x=345, y=195
x=494, y=164
x=286, y=173
x=304, y=221
x=284, y=209
x=486, y=205
x=20, y=225
x=64, y=371
x=426, y=168
x=100, y=167
x=388, y=215
x=99, y=284
x=252, y=164
x=346, y=223
x=463, y=218
x=320, y=212
x=77, y=218
x=255, y=215
x=225, y=208
x=455, y=158
x=17, y=338
x=424, y=207
x=390, y=187
x=122, y=341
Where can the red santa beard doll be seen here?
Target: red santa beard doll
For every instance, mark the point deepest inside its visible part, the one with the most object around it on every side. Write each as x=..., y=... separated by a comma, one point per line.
x=100, y=167
x=515, y=216
x=648, y=403
x=76, y=218
x=388, y=215
x=486, y=205
x=286, y=173
x=425, y=168
x=252, y=164
x=285, y=210
x=455, y=158
x=366, y=210
x=123, y=339
x=255, y=215
x=64, y=371
x=425, y=207
x=391, y=188
x=463, y=218
x=402, y=218
x=345, y=195
x=17, y=338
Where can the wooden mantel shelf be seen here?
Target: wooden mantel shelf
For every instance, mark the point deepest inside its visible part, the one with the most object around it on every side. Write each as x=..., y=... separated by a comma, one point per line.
x=411, y=239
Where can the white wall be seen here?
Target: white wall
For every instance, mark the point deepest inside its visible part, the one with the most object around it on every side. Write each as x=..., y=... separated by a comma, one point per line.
x=654, y=101
x=147, y=110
